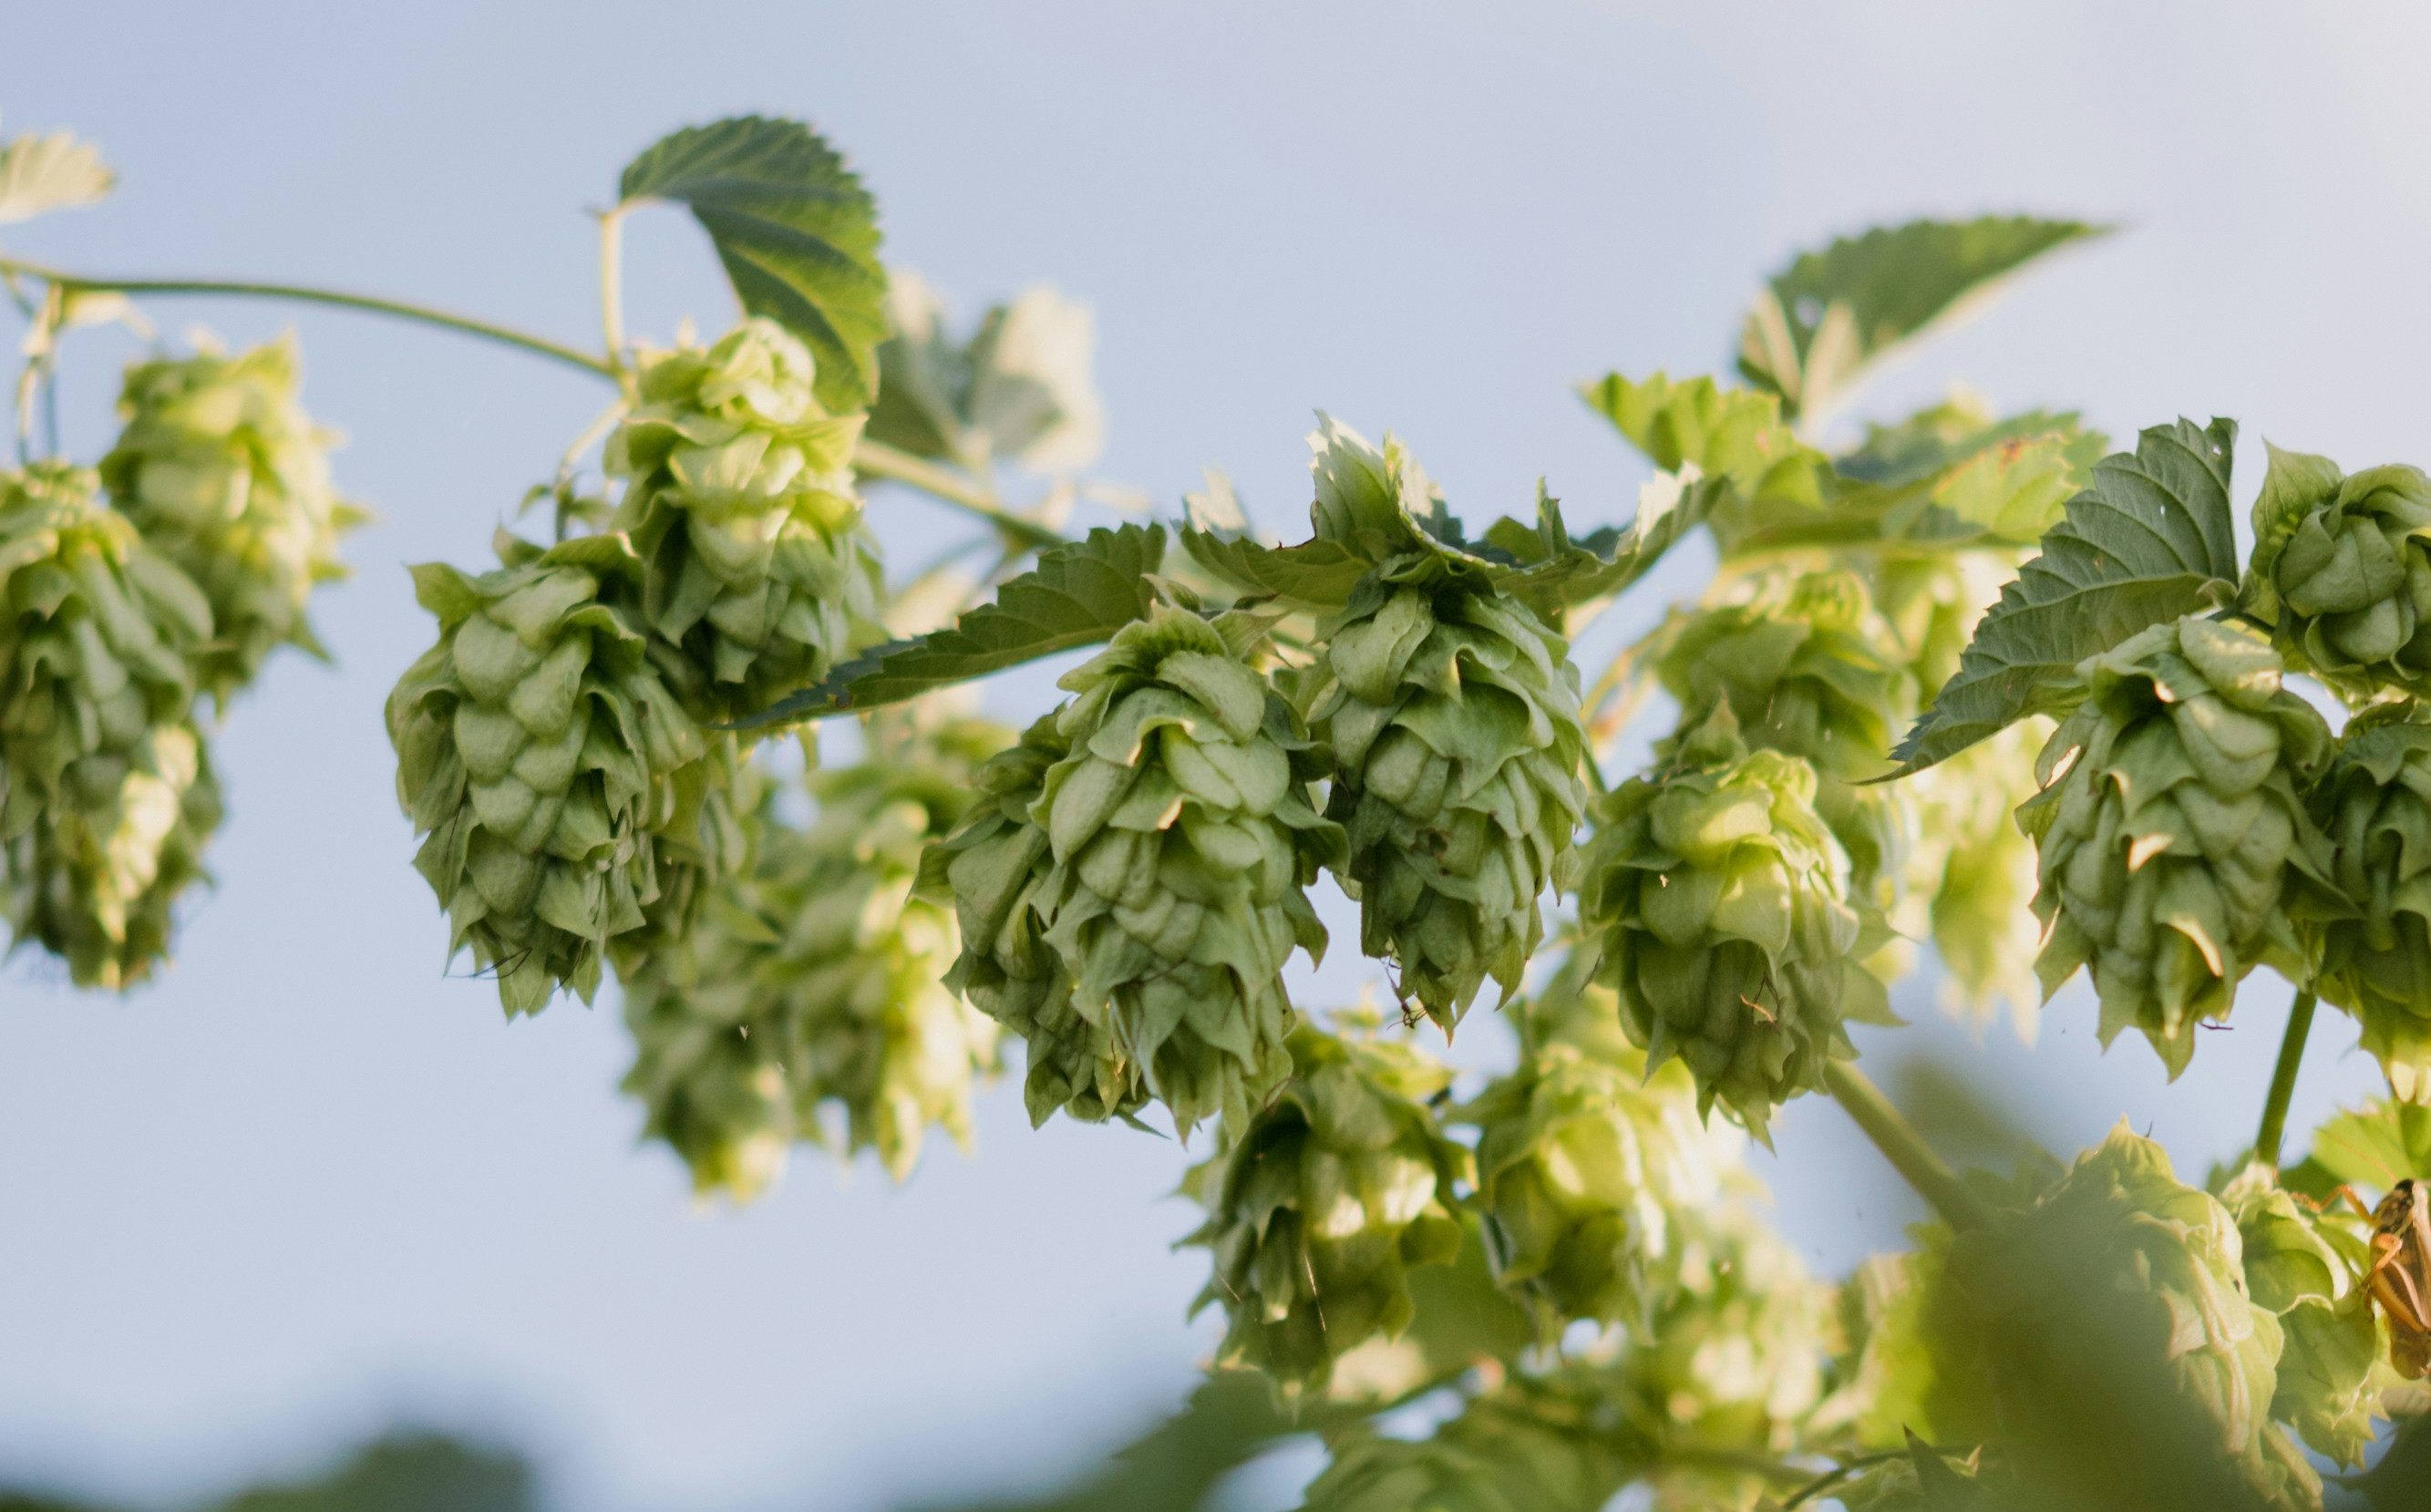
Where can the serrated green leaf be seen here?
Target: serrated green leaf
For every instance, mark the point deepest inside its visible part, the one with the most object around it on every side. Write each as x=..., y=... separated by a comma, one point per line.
x=41, y=173
x=2152, y=538
x=2377, y=1146
x=796, y=229
x=1827, y=316
x=1317, y=573
x=1736, y=434
x=1077, y=595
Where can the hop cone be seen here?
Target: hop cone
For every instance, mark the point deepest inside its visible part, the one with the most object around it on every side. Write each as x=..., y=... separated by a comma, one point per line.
x=222, y=470
x=739, y=497
x=1318, y=1206
x=1585, y=1165
x=1453, y=716
x=814, y=978
x=1728, y=932
x=2128, y=1363
x=2348, y=565
x=2376, y=804
x=106, y=789
x=2332, y=1337
x=2169, y=826
x=1175, y=834
x=537, y=749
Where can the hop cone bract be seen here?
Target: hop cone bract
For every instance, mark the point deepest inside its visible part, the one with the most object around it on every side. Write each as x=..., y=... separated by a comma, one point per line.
x=221, y=470
x=2347, y=563
x=1321, y=1203
x=816, y=978
x=1453, y=715
x=106, y=789
x=739, y=497
x=2332, y=1337
x=2169, y=826
x=536, y=746
x=2375, y=805
x=1728, y=934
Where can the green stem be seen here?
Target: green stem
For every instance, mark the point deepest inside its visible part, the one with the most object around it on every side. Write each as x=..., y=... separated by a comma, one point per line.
x=1905, y=1148
x=879, y=460
x=611, y=283
x=306, y=293
x=2283, y=1080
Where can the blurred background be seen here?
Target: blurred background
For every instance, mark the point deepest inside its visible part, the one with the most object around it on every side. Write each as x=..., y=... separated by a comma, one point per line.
x=312, y=1187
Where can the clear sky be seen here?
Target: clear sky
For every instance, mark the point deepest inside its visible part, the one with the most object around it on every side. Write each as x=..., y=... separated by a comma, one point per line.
x=311, y=1182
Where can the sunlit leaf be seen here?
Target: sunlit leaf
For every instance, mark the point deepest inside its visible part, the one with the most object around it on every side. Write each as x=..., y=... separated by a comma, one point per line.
x=41, y=173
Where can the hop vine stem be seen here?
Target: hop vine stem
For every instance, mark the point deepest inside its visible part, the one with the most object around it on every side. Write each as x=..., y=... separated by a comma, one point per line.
x=2283, y=1080
x=1905, y=1148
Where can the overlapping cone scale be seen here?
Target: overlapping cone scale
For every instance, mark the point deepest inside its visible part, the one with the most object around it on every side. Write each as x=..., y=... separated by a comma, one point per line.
x=1321, y=1203
x=2374, y=803
x=812, y=977
x=105, y=788
x=1728, y=933
x=1452, y=714
x=738, y=496
x=2348, y=560
x=541, y=755
x=224, y=472
x=2298, y=1268
x=2170, y=831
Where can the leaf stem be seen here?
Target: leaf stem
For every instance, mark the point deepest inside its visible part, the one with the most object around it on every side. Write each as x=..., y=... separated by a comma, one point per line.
x=1905, y=1148
x=611, y=284
x=2283, y=1080
x=879, y=460
x=504, y=336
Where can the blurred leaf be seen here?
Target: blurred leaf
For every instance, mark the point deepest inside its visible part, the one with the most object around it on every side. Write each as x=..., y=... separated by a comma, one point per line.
x=41, y=173
x=405, y=1474
x=1827, y=316
x=1077, y=595
x=2150, y=540
x=1733, y=435
x=1022, y=388
x=2377, y=1145
x=796, y=229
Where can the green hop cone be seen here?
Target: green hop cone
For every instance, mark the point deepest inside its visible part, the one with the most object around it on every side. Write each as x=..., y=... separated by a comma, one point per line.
x=538, y=751
x=2374, y=802
x=739, y=497
x=2168, y=827
x=222, y=470
x=2303, y=1271
x=812, y=977
x=1585, y=1165
x=106, y=789
x=1319, y=1206
x=2344, y=564
x=1727, y=928
x=2129, y=1365
x=1453, y=715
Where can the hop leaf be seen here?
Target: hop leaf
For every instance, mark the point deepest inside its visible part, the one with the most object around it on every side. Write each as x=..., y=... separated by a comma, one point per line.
x=2169, y=826
x=812, y=977
x=538, y=751
x=2304, y=1270
x=106, y=789
x=222, y=470
x=739, y=499
x=1321, y=1202
x=2343, y=565
x=1728, y=929
x=1022, y=387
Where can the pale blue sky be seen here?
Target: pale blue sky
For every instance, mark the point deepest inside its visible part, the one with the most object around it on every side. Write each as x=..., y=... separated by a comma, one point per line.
x=310, y=1182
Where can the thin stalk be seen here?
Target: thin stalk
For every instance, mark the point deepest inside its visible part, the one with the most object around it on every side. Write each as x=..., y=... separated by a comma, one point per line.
x=2283, y=1080
x=1905, y=1148
x=611, y=283
x=879, y=460
x=504, y=336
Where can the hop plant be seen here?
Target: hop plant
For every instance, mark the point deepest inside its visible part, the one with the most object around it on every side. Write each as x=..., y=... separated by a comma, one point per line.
x=1970, y=876
x=1319, y=1206
x=2128, y=1362
x=1727, y=928
x=1527, y=1446
x=813, y=978
x=1587, y=1166
x=1161, y=862
x=540, y=753
x=2346, y=565
x=221, y=470
x=2375, y=801
x=2295, y=1268
x=1454, y=713
x=2168, y=827
x=106, y=789
x=739, y=497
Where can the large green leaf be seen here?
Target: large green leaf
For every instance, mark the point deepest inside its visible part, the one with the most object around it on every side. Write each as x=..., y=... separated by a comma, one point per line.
x=1999, y=485
x=1830, y=313
x=2377, y=1146
x=1077, y=595
x=796, y=229
x=41, y=173
x=2150, y=540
